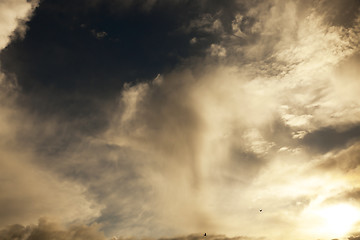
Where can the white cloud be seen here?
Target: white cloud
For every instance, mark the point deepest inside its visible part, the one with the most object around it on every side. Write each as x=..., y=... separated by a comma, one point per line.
x=13, y=16
x=254, y=141
x=217, y=50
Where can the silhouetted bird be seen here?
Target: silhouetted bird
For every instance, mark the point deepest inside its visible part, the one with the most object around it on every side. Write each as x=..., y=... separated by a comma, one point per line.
x=204, y=234
x=260, y=210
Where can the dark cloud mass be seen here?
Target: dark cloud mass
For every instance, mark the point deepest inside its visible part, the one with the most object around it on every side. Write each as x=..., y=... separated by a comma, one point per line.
x=156, y=119
x=326, y=139
x=48, y=230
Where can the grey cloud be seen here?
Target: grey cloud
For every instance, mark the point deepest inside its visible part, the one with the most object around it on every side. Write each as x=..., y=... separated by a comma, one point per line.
x=206, y=23
x=342, y=13
x=210, y=237
x=29, y=191
x=99, y=34
x=354, y=237
x=45, y=230
x=328, y=139
x=245, y=164
x=344, y=161
x=217, y=50
x=351, y=196
x=112, y=177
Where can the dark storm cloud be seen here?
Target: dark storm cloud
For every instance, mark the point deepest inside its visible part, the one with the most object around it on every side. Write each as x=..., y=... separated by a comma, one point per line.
x=327, y=139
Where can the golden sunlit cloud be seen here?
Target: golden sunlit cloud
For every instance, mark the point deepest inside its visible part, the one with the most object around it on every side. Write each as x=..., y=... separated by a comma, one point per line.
x=338, y=219
x=331, y=221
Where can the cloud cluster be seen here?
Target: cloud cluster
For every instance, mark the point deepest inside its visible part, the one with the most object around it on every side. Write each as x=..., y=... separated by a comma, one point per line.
x=46, y=229
x=218, y=136
x=268, y=118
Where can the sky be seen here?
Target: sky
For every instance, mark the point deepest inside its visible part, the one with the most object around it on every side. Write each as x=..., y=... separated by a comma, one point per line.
x=163, y=120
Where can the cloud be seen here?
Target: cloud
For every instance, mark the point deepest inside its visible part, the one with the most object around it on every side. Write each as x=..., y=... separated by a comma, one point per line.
x=14, y=15
x=338, y=14
x=326, y=139
x=28, y=190
x=193, y=40
x=99, y=35
x=344, y=160
x=217, y=50
x=46, y=229
x=203, y=145
x=206, y=23
x=194, y=141
x=354, y=238
x=236, y=26
x=211, y=237
x=223, y=112
x=50, y=230
x=205, y=130
x=31, y=190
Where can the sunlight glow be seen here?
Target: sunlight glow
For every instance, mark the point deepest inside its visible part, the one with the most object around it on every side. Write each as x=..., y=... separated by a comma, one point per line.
x=338, y=219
